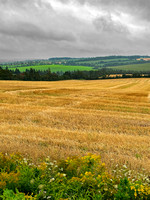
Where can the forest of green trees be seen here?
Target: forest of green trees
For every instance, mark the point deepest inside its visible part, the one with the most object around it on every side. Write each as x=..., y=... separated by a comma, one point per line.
x=47, y=75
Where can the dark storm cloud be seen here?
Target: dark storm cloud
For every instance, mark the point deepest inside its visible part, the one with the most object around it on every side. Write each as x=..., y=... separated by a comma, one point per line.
x=34, y=32
x=45, y=28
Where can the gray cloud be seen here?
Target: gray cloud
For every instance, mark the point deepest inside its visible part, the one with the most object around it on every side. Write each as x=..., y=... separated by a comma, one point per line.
x=139, y=8
x=29, y=30
x=106, y=24
x=45, y=28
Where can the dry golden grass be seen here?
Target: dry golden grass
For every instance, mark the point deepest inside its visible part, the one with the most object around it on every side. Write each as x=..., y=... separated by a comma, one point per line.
x=146, y=59
x=65, y=118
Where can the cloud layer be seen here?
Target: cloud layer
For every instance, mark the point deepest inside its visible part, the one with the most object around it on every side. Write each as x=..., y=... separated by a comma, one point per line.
x=47, y=28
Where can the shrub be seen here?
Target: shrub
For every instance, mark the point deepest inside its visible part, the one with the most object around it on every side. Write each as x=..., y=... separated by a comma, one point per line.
x=74, y=178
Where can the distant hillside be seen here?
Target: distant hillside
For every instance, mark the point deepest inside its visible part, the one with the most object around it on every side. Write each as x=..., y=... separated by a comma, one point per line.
x=144, y=67
x=139, y=63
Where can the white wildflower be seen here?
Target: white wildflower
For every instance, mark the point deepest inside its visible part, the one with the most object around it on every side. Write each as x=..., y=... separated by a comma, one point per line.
x=51, y=180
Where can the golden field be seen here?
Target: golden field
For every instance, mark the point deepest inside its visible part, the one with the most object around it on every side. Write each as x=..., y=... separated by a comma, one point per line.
x=60, y=119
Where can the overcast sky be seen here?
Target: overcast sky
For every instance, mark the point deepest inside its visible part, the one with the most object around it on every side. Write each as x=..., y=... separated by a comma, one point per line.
x=76, y=28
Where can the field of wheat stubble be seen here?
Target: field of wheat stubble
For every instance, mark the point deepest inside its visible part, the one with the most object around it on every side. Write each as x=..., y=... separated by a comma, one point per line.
x=110, y=118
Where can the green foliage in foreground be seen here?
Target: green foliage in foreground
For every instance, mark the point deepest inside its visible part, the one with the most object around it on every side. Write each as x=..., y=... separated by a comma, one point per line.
x=82, y=178
x=136, y=67
x=53, y=68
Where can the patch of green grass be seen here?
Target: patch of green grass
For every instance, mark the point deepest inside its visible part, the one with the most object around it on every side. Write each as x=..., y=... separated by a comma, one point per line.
x=136, y=67
x=54, y=68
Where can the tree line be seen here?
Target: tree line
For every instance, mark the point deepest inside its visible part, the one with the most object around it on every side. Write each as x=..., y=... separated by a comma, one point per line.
x=47, y=75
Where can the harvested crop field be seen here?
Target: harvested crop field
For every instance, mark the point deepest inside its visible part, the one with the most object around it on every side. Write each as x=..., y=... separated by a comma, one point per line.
x=60, y=119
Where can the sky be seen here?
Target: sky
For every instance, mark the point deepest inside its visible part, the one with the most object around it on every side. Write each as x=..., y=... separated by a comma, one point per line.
x=40, y=29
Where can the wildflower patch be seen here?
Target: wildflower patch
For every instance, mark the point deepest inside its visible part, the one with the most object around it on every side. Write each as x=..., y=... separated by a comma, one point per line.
x=74, y=178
